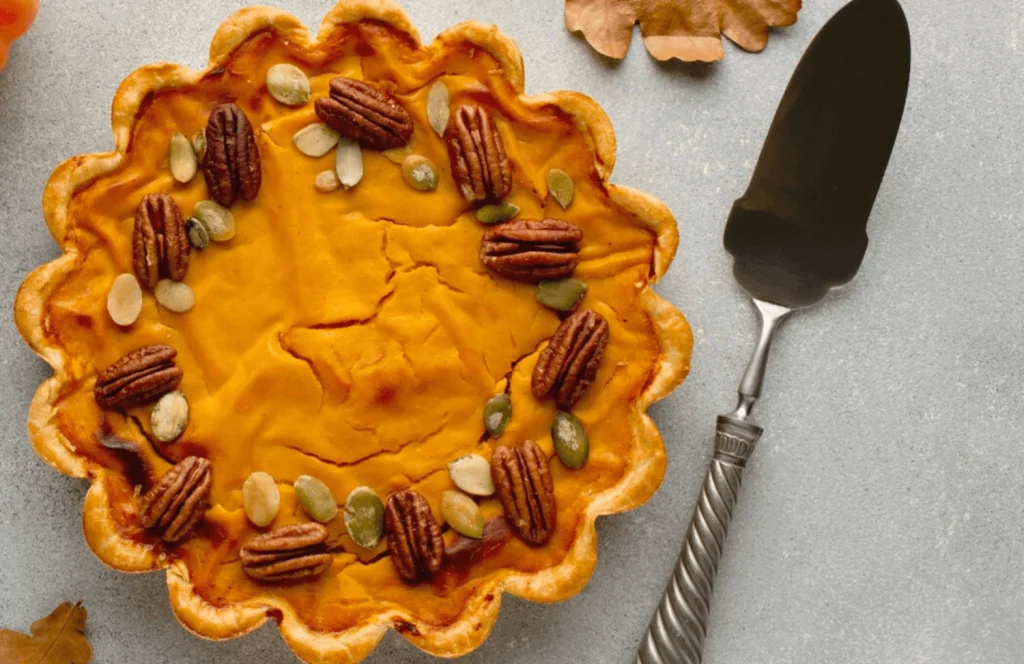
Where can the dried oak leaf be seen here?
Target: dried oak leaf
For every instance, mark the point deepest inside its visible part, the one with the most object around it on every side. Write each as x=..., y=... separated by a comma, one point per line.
x=56, y=639
x=685, y=29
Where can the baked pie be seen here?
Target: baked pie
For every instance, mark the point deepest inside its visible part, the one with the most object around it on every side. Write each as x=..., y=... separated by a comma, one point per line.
x=350, y=333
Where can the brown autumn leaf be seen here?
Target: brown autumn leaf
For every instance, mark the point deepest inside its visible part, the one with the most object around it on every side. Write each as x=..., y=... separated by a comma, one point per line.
x=56, y=639
x=685, y=29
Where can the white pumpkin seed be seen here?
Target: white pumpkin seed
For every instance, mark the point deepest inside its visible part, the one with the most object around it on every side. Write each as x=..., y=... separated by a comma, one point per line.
x=561, y=294
x=497, y=213
x=182, y=159
x=561, y=187
x=438, y=107
x=169, y=417
x=364, y=517
x=419, y=173
x=199, y=145
x=174, y=296
x=315, y=140
x=198, y=236
x=261, y=498
x=397, y=155
x=326, y=181
x=472, y=474
x=124, y=299
x=219, y=222
x=316, y=498
x=288, y=84
x=348, y=163
x=462, y=514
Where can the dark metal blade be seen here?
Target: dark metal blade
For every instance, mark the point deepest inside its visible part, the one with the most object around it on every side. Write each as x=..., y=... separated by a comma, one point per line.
x=799, y=230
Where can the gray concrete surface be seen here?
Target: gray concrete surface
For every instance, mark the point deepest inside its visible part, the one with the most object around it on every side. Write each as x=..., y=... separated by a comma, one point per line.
x=882, y=519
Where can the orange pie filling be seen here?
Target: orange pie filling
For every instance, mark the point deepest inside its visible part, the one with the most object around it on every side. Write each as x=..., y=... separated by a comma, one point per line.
x=354, y=336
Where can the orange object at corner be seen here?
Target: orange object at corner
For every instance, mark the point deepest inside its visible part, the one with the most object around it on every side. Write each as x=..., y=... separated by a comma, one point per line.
x=15, y=18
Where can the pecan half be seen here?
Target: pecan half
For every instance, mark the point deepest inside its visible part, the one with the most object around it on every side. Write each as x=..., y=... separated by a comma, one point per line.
x=139, y=377
x=178, y=500
x=231, y=165
x=365, y=114
x=569, y=363
x=477, y=155
x=531, y=250
x=414, y=537
x=160, y=245
x=287, y=553
x=523, y=483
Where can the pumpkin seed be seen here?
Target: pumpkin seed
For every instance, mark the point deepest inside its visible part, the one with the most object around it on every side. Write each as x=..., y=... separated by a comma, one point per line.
x=561, y=187
x=169, y=417
x=495, y=214
x=326, y=181
x=288, y=84
x=497, y=414
x=198, y=236
x=315, y=140
x=398, y=155
x=174, y=296
x=419, y=173
x=438, y=107
x=571, y=442
x=348, y=163
x=199, y=145
x=182, y=159
x=561, y=294
x=462, y=514
x=472, y=474
x=316, y=498
x=219, y=222
x=124, y=299
x=261, y=498
x=364, y=517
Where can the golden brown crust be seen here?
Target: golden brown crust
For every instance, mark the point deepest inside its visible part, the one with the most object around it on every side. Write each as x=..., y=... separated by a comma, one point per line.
x=646, y=465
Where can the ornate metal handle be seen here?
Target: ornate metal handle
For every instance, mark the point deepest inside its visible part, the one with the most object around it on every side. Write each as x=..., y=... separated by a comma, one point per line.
x=676, y=634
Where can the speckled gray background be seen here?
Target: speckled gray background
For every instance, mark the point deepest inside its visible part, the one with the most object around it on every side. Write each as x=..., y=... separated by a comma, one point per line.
x=882, y=519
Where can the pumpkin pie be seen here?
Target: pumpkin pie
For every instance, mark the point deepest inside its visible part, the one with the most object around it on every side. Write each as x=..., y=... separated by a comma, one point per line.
x=350, y=333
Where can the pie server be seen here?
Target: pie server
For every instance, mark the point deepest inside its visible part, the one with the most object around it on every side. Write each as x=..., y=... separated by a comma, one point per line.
x=797, y=232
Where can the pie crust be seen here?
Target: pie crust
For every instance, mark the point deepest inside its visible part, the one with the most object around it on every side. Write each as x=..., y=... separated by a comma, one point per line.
x=338, y=619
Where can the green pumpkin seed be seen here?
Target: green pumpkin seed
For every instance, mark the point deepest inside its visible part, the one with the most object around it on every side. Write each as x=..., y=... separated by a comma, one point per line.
x=495, y=214
x=288, y=84
x=397, y=155
x=169, y=417
x=174, y=296
x=261, y=499
x=316, y=498
x=419, y=173
x=182, y=159
x=348, y=163
x=472, y=474
x=315, y=140
x=198, y=141
x=438, y=107
x=561, y=187
x=364, y=517
x=562, y=294
x=218, y=220
x=326, y=181
x=124, y=299
x=497, y=414
x=571, y=442
x=198, y=236
x=462, y=514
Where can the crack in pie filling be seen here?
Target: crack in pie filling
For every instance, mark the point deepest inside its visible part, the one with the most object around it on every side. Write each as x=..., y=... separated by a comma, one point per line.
x=352, y=334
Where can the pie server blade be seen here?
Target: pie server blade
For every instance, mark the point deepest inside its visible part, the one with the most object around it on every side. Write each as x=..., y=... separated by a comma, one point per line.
x=797, y=232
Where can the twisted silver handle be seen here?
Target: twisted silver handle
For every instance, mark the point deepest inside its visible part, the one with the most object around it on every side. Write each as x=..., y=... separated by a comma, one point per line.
x=677, y=630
